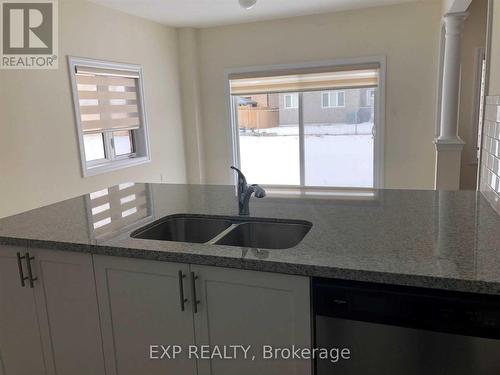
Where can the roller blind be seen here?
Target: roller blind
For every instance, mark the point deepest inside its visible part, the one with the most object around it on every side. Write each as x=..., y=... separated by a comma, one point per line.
x=108, y=99
x=305, y=80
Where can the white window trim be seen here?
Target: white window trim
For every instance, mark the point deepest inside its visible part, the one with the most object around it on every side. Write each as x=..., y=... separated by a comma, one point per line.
x=292, y=96
x=379, y=108
x=480, y=55
x=335, y=103
x=97, y=167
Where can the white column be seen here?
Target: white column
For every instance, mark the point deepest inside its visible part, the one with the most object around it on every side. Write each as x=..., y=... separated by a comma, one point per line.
x=448, y=144
x=189, y=77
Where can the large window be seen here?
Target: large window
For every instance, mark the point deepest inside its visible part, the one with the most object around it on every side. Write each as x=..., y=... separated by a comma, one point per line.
x=311, y=146
x=109, y=110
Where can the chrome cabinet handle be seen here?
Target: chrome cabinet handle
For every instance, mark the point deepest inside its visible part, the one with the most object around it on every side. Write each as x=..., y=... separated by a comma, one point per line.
x=193, y=292
x=30, y=272
x=181, y=290
x=20, y=266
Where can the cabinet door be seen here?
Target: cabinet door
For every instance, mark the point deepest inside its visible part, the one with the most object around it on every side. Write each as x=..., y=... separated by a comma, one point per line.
x=252, y=308
x=21, y=351
x=67, y=309
x=140, y=306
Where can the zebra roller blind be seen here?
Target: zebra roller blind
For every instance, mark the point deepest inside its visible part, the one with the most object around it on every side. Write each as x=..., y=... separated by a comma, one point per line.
x=108, y=99
x=304, y=80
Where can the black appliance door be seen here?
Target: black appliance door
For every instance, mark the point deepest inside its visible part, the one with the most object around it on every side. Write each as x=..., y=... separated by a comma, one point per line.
x=405, y=331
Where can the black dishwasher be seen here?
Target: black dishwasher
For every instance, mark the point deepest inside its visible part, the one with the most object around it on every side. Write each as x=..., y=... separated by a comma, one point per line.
x=394, y=330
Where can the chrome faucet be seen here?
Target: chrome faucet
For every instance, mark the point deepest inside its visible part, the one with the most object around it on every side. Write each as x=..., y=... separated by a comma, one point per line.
x=245, y=191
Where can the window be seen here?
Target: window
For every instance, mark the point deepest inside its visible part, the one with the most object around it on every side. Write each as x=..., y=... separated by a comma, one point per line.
x=291, y=101
x=110, y=116
x=309, y=147
x=333, y=99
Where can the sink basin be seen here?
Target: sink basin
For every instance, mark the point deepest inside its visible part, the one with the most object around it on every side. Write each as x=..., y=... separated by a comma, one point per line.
x=226, y=230
x=266, y=235
x=183, y=228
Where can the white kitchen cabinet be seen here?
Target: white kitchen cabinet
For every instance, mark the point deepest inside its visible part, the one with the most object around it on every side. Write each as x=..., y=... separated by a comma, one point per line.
x=66, y=295
x=65, y=321
x=21, y=351
x=252, y=308
x=140, y=305
x=50, y=325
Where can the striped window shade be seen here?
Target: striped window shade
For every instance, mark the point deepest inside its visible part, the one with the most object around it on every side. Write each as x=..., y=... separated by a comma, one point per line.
x=310, y=79
x=108, y=99
x=115, y=208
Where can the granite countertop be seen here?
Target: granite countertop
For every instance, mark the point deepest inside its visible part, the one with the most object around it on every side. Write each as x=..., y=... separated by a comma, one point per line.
x=445, y=240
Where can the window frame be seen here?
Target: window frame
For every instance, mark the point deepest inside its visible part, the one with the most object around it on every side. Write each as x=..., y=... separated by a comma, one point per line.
x=139, y=137
x=292, y=96
x=379, y=109
x=133, y=146
x=480, y=68
x=334, y=103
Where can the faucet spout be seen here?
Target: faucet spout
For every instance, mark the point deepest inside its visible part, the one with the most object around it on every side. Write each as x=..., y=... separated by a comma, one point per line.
x=245, y=192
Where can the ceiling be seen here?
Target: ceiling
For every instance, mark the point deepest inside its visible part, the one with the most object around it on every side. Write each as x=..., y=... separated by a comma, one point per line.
x=206, y=13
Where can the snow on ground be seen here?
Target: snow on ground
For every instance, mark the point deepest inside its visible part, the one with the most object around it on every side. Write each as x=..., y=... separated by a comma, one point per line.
x=330, y=160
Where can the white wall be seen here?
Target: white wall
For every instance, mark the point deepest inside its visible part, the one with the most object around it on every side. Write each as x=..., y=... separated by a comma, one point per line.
x=474, y=36
x=39, y=160
x=407, y=34
x=494, y=64
x=189, y=70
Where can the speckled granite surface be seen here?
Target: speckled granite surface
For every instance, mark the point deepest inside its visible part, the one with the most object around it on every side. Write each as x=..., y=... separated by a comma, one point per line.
x=445, y=240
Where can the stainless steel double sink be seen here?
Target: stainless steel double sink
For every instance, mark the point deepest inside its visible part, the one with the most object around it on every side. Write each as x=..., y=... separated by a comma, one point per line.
x=238, y=231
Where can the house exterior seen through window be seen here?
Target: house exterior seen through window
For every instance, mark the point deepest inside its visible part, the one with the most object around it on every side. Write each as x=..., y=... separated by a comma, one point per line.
x=110, y=115
x=333, y=99
x=291, y=101
x=370, y=98
x=322, y=135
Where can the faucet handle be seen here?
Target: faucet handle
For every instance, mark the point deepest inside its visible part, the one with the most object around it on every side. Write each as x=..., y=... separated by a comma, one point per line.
x=259, y=192
x=241, y=177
